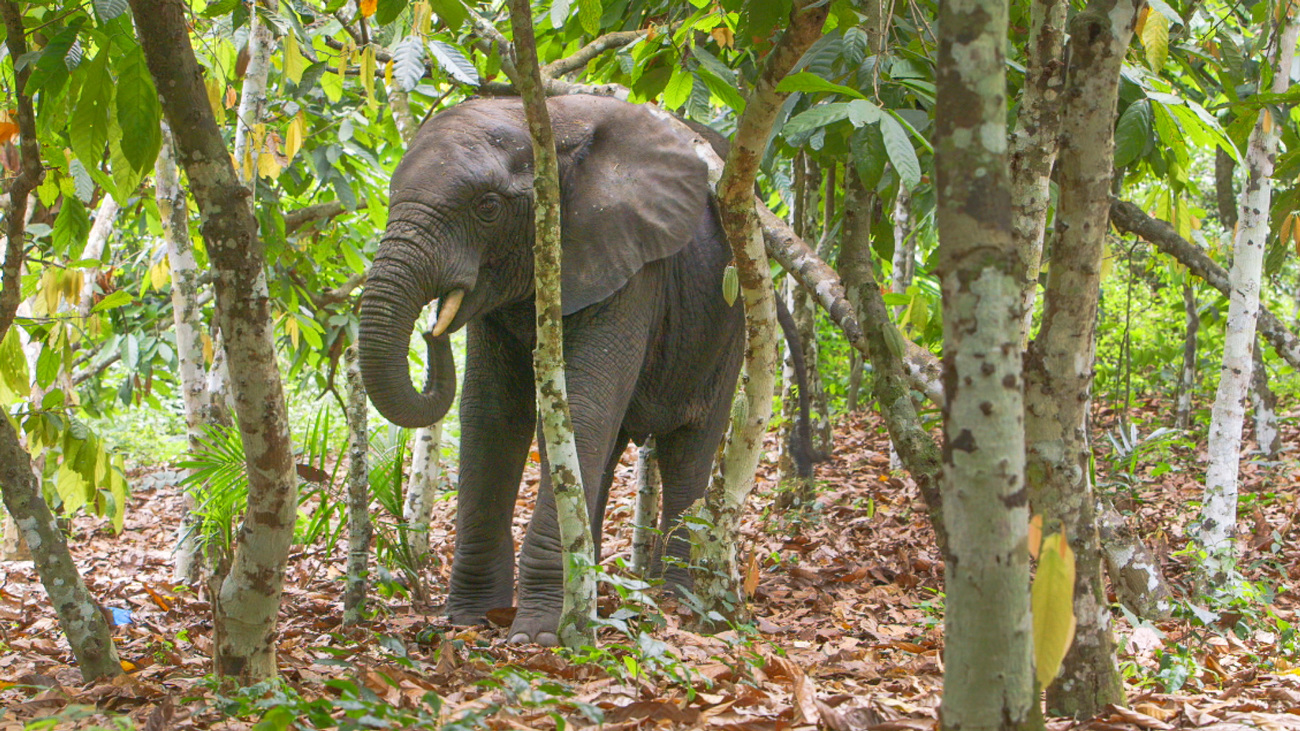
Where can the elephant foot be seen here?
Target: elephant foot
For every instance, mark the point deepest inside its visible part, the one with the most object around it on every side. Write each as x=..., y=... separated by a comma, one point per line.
x=539, y=627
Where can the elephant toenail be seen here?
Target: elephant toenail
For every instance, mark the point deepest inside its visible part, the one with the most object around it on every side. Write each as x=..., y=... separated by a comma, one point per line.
x=520, y=638
x=548, y=639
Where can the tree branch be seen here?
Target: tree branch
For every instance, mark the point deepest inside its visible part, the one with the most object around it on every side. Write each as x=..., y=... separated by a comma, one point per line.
x=30, y=172
x=587, y=53
x=1131, y=219
x=294, y=220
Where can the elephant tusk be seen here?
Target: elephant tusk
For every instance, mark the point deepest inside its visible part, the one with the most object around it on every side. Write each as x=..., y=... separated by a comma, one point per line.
x=446, y=313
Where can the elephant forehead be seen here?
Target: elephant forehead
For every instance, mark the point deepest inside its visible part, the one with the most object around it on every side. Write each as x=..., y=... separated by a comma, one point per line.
x=463, y=160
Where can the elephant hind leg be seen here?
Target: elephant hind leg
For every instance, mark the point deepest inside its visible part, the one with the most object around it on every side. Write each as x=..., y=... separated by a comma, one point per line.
x=685, y=463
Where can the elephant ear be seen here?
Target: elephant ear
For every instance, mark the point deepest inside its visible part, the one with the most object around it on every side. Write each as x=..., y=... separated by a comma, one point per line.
x=634, y=192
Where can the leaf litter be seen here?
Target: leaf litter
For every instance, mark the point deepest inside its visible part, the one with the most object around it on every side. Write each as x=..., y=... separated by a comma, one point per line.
x=846, y=630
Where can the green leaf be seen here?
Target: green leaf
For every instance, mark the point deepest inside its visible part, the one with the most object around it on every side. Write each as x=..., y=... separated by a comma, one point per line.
x=388, y=10
x=114, y=300
x=1132, y=132
x=294, y=62
x=408, y=63
x=589, y=12
x=559, y=13
x=863, y=112
x=88, y=129
x=901, y=153
x=714, y=65
x=1052, y=600
x=71, y=228
x=109, y=9
x=678, y=89
x=219, y=8
x=452, y=12
x=14, y=376
x=721, y=89
x=138, y=113
x=454, y=63
x=819, y=116
x=1171, y=137
x=50, y=72
x=869, y=155
x=812, y=84
x=332, y=84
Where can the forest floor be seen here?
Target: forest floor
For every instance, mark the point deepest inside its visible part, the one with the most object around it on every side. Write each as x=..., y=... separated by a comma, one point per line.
x=846, y=631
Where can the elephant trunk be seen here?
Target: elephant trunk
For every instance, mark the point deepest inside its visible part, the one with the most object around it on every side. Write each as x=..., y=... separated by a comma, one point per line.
x=391, y=303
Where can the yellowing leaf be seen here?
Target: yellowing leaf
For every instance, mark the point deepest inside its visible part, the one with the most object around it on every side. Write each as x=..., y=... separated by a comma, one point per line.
x=1052, y=599
x=751, y=574
x=231, y=97
x=213, y=86
x=368, y=73
x=422, y=23
x=1288, y=226
x=1142, y=20
x=724, y=36
x=294, y=62
x=160, y=274
x=1035, y=535
x=268, y=166
x=297, y=131
x=1155, y=38
x=291, y=327
x=368, y=7
x=207, y=348
x=344, y=59
x=1266, y=120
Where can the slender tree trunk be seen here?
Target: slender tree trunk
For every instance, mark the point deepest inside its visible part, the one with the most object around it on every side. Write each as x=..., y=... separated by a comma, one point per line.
x=1035, y=141
x=1135, y=574
x=577, y=618
x=79, y=616
x=855, y=259
x=246, y=608
x=1059, y=365
x=794, y=489
x=359, y=526
x=95, y=242
x=1187, y=376
x=713, y=553
x=645, y=538
x=174, y=212
x=987, y=621
x=1128, y=218
x=1218, y=519
x=252, y=98
x=1264, y=408
x=904, y=260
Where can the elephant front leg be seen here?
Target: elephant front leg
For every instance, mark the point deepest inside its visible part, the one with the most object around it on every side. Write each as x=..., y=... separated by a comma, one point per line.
x=496, y=417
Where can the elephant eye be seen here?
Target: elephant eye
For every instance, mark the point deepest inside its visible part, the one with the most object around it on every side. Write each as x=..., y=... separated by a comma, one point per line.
x=489, y=207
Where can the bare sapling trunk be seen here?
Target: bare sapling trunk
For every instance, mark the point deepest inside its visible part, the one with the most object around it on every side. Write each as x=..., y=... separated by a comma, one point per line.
x=1218, y=519
x=246, y=607
x=855, y=257
x=1134, y=572
x=80, y=617
x=174, y=212
x=252, y=97
x=577, y=617
x=902, y=270
x=359, y=526
x=987, y=620
x=1035, y=141
x=1187, y=375
x=94, y=249
x=1263, y=402
x=1059, y=363
x=645, y=516
x=713, y=552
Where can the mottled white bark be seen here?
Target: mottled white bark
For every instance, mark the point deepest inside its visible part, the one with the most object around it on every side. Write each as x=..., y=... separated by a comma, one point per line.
x=95, y=241
x=174, y=212
x=359, y=525
x=1218, y=519
x=986, y=622
x=252, y=98
x=1263, y=404
x=1134, y=572
x=577, y=617
x=645, y=516
x=904, y=259
x=418, y=505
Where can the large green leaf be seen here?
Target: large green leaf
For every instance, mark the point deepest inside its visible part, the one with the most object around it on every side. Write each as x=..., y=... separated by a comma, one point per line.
x=869, y=155
x=138, y=113
x=589, y=12
x=50, y=71
x=388, y=10
x=901, y=153
x=454, y=63
x=818, y=116
x=812, y=83
x=678, y=89
x=721, y=89
x=408, y=63
x=15, y=380
x=1133, y=132
x=88, y=130
x=109, y=9
x=452, y=12
x=71, y=228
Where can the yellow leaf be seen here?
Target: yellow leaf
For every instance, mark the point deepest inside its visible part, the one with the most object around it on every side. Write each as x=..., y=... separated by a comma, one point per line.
x=213, y=86
x=231, y=97
x=1155, y=38
x=297, y=131
x=128, y=666
x=294, y=63
x=1142, y=20
x=1035, y=535
x=344, y=59
x=291, y=327
x=1288, y=224
x=160, y=274
x=207, y=348
x=388, y=75
x=368, y=73
x=724, y=36
x=1052, y=598
x=268, y=166
x=423, y=18
x=751, y=574
x=368, y=7
x=1266, y=120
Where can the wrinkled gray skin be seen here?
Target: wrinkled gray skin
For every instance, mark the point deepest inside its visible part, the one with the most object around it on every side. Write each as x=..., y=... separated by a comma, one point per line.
x=651, y=348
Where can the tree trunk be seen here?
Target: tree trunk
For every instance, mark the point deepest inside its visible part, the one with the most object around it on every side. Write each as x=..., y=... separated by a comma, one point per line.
x=245, y=610
x=1059, y=364
x=1128, y=218
x=94, y=249
x=1264, y=408
x=1135, y=574
x=1218, y=518
x=80, y=617
x=713, y=552
x=173, y=210
x=1187, y=376
x=645, y=538
x=987, y=620
x=904, y=260
x=252, y=98
x=577, y=618
x=1036, y=141
x=359, y=526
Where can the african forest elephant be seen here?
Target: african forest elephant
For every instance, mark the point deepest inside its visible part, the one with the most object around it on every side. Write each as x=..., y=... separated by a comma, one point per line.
x=651, y=346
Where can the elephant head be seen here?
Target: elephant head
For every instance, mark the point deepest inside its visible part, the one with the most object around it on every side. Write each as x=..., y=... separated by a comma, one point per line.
x=460, y=227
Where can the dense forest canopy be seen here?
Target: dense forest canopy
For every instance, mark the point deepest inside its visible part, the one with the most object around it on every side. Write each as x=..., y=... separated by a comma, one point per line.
x=958, y=342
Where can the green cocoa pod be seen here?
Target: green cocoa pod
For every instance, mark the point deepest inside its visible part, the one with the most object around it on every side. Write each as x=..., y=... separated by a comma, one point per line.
x=730, y=285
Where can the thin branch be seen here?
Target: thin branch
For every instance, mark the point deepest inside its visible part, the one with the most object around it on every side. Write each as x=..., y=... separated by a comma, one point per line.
x=587, y=53
x=30, y=172
x=294, y=220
